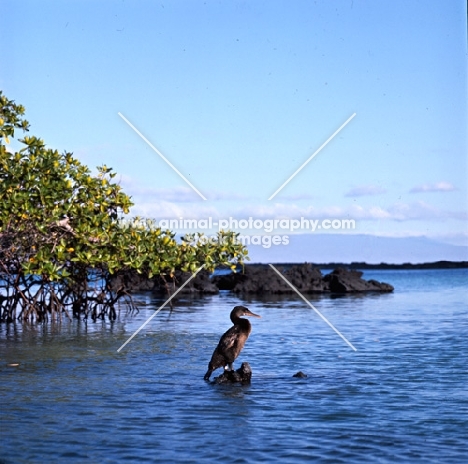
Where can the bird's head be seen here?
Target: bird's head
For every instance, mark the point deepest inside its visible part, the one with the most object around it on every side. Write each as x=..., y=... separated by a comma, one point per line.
x=240, y=311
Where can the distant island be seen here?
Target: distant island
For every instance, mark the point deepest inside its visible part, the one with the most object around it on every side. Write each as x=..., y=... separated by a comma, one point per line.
x=363, y=265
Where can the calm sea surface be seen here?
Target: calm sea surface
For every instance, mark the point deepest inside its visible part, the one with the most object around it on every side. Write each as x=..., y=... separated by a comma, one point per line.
x=402, y=397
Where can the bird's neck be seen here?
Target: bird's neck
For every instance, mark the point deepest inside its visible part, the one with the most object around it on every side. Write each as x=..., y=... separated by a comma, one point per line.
x=240, y=321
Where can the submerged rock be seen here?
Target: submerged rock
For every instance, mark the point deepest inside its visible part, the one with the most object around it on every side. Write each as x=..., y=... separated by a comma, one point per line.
x=242, y=375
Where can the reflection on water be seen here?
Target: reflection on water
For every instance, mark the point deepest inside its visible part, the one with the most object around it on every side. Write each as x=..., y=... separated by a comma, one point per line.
x=401, y=397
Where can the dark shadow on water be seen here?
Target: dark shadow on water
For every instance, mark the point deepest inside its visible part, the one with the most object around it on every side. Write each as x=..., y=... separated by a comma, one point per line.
x=236, y=391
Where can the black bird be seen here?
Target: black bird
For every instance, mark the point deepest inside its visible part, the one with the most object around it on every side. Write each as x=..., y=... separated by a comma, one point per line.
x=232, y=342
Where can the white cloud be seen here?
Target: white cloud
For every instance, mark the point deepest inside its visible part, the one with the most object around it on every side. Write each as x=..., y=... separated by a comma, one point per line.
x=423, y=211
x=226, y=196
x=396, y=212
x=365, y=190
x=372, y=212
x=181, y=201
x=437, y=187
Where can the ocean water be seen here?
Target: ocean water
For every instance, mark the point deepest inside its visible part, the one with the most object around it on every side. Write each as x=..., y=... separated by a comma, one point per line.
x=401, y=397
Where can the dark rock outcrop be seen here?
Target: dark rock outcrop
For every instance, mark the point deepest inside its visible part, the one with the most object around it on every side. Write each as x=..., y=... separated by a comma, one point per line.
x=262, y=279
x=242, y=375
x=255, y=280
x=229, y=281
x=306, y=278
x=200, y=284
x=131, y=281
x=349, y=281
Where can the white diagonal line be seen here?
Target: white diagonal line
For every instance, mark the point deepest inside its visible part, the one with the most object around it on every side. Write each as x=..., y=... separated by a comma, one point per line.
x=160, y=154
x=312, y=306
x=161, y=307
x=322, y=146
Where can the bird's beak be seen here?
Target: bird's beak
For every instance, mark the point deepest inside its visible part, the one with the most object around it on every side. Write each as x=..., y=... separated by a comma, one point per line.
x=250, y=313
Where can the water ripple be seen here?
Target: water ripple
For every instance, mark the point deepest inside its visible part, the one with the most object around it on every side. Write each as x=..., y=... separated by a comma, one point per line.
x=401, y=397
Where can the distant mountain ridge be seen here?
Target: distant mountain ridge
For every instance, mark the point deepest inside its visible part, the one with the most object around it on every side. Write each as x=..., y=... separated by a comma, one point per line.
x=349, y=248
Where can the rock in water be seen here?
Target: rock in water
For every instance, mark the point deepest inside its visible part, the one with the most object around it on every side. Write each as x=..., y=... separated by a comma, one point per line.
x=261, y=279
x=350, y=281
x=243, y=375
x=300, y=374
x=131, y=281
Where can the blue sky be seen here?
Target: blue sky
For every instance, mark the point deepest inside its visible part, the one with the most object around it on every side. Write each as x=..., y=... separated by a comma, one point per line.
x=238, y=94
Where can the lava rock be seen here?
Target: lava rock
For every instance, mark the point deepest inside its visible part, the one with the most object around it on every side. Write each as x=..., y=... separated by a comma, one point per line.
x=350, y=281
x=306, y=278
x=131, y=281
x=261, y=279
x=242, y=375
x=200, y=284
x=255, y=280
x=229, y=281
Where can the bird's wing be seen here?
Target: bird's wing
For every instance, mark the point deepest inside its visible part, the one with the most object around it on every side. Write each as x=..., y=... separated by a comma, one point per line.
x=229, y=339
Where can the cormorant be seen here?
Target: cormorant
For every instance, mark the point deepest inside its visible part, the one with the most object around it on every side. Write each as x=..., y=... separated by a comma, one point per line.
x=232, y=342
